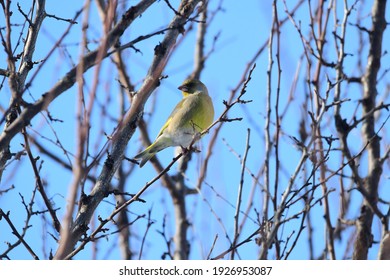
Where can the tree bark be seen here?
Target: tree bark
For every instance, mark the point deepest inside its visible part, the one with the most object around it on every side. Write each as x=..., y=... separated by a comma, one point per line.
x=364, y=236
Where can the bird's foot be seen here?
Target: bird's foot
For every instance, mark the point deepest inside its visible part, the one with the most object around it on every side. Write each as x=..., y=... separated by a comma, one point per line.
x=185, y=150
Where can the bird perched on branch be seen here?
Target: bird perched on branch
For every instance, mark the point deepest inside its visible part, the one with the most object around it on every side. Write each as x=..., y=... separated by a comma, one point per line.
x=193, y=114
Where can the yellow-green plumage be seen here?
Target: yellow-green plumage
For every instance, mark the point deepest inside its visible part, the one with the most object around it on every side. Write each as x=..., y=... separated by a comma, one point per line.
x=193, y=114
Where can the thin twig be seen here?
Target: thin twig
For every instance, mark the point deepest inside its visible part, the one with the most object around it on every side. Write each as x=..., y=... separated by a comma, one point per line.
x=239, y=196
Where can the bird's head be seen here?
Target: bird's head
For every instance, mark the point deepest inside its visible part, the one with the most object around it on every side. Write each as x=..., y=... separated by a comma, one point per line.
x=192, y=86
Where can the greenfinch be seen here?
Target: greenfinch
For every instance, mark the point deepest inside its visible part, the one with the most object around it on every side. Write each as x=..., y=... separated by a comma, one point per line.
x=193, y=114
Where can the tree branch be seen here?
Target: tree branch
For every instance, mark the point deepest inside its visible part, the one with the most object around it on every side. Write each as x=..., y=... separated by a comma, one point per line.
x=364, y=236
x=126, y=130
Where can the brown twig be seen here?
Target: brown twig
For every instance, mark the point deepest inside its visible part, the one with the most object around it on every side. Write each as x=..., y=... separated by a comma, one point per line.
x=239, y=195
x=39, y=184
x=16, y=233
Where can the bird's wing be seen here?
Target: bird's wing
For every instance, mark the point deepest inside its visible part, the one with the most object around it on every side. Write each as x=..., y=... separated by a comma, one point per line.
x=175, y=110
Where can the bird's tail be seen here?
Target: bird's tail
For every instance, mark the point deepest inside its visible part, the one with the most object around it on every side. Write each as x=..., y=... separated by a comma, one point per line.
x=153, y=149
x=144, y=156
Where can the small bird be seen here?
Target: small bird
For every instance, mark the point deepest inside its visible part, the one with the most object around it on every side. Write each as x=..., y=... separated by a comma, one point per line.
x=193, y=114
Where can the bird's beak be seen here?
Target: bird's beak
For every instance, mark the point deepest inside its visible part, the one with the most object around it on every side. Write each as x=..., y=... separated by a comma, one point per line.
x=183, y=88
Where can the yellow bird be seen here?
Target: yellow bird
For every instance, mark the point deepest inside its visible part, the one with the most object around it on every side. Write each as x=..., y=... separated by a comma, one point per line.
x=193, y=114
